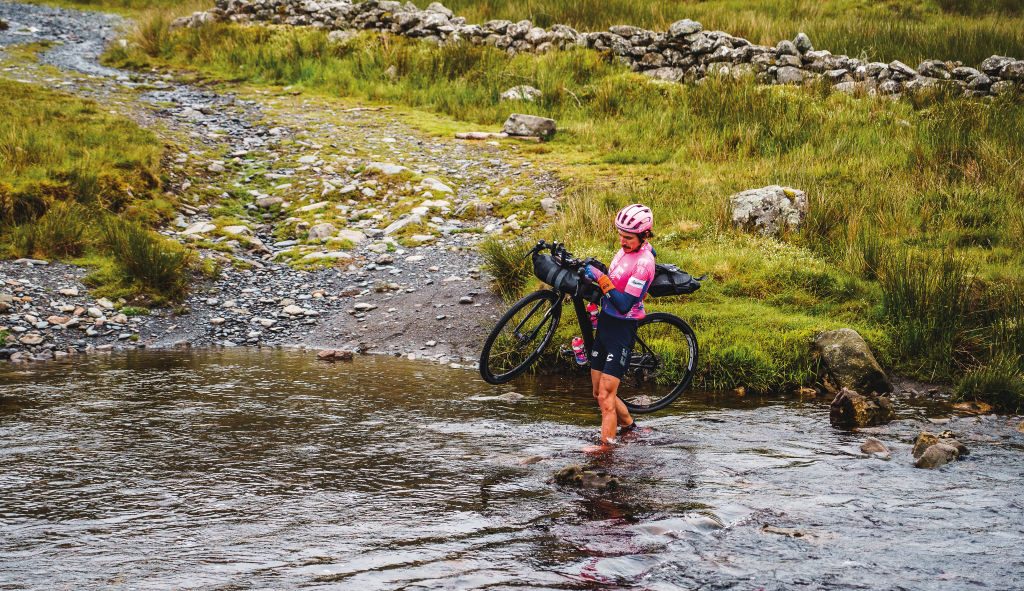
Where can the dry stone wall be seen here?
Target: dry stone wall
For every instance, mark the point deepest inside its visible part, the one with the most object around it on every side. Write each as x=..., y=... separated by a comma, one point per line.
x=686, y=52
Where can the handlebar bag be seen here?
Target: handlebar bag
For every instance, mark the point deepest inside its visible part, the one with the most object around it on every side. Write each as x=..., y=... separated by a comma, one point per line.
x=670, y=280
x=565, y=280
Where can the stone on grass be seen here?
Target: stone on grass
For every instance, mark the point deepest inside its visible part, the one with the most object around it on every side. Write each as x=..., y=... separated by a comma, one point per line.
x=849, y=363
x=198, y=228
x=769, y=210
x=353, y=236
x=851, y=410
x=386, y=168
x=322, y=231
x=666, y=74
x=521, y=93
x=522, y=125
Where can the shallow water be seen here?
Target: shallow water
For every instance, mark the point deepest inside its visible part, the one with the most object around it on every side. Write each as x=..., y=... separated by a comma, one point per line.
x=244, y=469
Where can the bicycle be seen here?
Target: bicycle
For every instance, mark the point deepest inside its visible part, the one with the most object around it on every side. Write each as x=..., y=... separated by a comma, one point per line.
x=664, y=357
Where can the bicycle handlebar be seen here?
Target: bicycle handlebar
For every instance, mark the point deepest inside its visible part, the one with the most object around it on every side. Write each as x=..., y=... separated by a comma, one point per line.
x=560, y=255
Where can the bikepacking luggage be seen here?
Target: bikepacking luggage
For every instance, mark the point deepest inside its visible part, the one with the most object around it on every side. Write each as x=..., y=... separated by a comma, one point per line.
x=566, y=280
x=670, y=280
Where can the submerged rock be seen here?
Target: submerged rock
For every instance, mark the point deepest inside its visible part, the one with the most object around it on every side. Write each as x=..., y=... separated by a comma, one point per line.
x=873, y=446
x=850, y=409
x=937, y=455
x=576, y=476
x=932, y=451
x=849, y=362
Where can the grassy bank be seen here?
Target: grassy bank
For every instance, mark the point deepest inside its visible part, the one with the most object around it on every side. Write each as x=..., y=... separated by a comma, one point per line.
x=915, y=231
x=79, y=184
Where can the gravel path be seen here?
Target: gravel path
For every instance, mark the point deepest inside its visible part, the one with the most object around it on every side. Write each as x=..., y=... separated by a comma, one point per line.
x=383, y=219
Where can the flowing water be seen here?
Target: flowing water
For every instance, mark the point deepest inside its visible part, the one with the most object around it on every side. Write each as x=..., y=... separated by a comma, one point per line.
x=242, y=469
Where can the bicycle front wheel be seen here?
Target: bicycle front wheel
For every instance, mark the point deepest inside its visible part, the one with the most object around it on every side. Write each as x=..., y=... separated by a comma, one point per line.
x=520, y=336
x=662, y=366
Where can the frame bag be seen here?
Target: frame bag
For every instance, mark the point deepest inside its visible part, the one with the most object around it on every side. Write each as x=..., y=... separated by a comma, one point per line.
x=670, y=280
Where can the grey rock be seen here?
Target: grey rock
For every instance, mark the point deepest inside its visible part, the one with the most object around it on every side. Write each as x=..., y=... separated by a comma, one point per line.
x=768, y=210
x=934, y=69
x=666, y=74
x=1013, y=70
x=849, y=363
x=789, y=75
x=1003, y=87
x=519, y=124
x=684, y=27
x=786, y=48
x=803, y=43
x=521, y=93
x=901, y=71
x=995, y=64
x=322, y=231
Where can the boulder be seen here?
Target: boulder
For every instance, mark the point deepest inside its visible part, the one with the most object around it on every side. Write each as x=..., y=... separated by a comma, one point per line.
x=937, y=455
x=386, y=168
x=925, y=440
x=518, y=124
x=851, y=410
x=873, y=446
x=849, y=363
x=521, y=93
x=268, y=202
x=769, y=210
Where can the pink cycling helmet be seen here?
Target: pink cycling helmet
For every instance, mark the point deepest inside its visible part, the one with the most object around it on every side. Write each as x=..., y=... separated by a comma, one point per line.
x=635, y=219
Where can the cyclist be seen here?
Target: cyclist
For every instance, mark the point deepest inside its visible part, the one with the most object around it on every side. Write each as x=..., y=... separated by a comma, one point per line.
x=624, y=287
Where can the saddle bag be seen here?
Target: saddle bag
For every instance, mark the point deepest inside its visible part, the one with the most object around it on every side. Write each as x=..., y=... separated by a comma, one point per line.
x=670, y=280
x=565, y=280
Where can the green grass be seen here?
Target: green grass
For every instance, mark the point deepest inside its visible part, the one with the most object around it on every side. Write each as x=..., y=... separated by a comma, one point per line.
x=78, y=183
x=934, y=179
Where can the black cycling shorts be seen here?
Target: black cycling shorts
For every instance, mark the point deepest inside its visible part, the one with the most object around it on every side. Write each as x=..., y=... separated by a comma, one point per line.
x=613, y=345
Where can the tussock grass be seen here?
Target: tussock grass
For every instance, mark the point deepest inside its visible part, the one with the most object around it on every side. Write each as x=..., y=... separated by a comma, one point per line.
x=999, y=382
x=893, y=186
x=157, y=264
x=77, y=183
x=508, y=265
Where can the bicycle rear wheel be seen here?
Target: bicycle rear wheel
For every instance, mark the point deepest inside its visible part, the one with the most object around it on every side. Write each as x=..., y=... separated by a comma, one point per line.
x=520, y=336
x=662, y=366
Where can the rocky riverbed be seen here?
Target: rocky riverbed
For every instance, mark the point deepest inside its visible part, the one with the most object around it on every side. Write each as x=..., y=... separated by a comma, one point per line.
x=334, y=225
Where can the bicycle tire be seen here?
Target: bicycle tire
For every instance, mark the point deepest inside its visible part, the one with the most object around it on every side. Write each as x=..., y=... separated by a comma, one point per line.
x=507, y=354
x=662, y=366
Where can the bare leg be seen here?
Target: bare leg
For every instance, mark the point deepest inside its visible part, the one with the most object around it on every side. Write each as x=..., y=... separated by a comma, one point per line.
x=621, y=412
x=606, y=399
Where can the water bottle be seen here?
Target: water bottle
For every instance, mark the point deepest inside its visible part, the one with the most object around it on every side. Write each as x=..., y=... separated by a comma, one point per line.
x=593, y=310
x=578, y=351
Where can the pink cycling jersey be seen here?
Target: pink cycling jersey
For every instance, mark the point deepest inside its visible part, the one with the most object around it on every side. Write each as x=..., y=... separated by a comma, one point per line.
x=632, y=273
